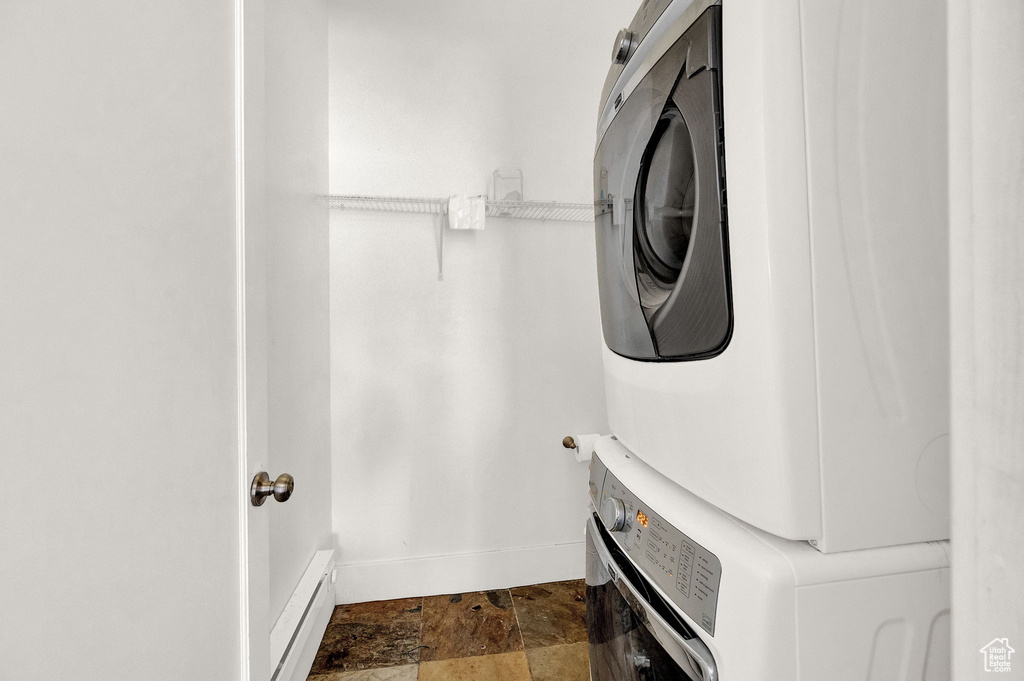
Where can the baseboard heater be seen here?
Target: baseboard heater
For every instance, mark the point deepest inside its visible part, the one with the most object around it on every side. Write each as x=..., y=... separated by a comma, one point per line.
x=296, y=636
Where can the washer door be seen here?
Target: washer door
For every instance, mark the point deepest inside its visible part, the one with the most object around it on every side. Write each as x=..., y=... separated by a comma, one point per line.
x=661, y=221
x=634, y=633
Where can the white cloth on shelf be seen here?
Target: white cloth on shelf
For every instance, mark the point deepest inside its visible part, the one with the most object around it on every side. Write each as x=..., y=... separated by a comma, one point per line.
x=467, y=212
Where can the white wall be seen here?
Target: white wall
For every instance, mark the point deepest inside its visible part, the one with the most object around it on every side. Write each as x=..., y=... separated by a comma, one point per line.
x=986, y=95
x=450, y=398
x=119, y=520
x=297, y=307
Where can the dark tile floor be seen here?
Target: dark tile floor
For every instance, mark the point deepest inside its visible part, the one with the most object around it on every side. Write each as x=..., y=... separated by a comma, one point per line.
x=529, y=633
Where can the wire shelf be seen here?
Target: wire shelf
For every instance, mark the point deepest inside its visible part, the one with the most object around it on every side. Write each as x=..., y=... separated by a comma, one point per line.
x=604, y=206
x=523, y=210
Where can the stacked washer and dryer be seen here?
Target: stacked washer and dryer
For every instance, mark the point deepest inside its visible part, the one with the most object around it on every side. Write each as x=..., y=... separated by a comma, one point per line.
x=770, y=193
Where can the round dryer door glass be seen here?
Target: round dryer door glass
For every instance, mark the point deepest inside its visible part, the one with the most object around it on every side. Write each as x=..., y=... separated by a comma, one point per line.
x=666, y=193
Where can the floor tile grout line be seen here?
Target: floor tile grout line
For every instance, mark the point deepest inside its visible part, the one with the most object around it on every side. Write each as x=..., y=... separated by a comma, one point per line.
x=423, y=617
x=519, y=627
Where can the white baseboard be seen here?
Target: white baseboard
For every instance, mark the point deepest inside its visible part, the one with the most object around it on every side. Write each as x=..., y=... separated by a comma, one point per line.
x=459, y=573
x=296, y=636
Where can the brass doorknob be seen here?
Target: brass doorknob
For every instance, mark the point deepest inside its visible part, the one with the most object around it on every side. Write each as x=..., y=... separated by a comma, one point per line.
x=262, y=487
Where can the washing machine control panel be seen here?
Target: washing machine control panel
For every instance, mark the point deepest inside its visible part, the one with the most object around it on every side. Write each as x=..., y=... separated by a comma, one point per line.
x=686, y=572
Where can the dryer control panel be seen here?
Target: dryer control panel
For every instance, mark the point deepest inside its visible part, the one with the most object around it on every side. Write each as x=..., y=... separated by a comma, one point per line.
x=650, y=11
x=687, y=573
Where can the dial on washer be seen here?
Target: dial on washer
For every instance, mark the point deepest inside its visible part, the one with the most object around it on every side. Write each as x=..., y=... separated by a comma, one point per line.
x=613, y=514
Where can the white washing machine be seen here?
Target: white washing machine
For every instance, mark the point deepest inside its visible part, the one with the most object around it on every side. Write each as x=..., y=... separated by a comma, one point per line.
x=677, y=590
x=770, y=186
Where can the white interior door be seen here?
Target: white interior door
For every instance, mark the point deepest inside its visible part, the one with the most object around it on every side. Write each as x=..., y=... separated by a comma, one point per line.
x=119, y=390
x=283, y=290
x=134, y=335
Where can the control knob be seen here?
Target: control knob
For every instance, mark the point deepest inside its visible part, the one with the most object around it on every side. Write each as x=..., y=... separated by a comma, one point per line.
x=623, y=46
x=613, y=514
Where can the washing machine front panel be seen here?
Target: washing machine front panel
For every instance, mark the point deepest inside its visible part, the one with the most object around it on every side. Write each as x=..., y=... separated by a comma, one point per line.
x=659, y=189
x=634, y=634
x=826, y=417
x=739, y=428
x=685, y=571
x=783, y=611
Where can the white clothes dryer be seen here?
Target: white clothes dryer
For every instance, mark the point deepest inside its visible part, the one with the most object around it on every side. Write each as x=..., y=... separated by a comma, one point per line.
x=678, y=590
x=771, y=223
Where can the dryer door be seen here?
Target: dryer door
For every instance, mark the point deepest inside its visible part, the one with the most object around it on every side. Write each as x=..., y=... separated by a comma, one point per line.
x=661, y=222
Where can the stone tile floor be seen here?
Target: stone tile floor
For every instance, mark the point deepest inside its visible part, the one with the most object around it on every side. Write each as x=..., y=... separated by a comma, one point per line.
x=529, y=633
